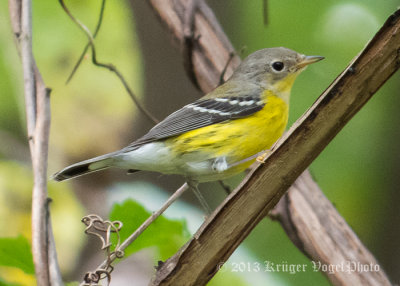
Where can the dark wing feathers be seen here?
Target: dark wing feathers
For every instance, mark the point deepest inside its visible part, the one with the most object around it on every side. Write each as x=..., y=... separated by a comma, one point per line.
x=201, y=113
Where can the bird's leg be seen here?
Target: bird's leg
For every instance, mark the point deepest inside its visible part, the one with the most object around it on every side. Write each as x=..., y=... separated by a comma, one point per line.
x=193, y=186
x=226, y=188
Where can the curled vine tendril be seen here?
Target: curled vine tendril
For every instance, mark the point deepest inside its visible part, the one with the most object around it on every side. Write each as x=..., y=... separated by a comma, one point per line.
x=103, y=229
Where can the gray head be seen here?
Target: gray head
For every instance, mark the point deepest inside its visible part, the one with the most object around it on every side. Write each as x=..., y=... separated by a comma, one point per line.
x=268, y=66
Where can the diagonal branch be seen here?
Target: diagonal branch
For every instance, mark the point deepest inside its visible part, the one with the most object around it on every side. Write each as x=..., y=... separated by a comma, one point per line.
x=302, y=211
x=212, y=50
x=219, y=236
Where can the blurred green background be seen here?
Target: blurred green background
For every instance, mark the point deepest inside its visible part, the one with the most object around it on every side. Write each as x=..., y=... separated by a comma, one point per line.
x=93, y=115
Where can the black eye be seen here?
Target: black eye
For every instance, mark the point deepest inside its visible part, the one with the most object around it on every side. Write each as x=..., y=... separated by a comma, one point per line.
x=278, y=66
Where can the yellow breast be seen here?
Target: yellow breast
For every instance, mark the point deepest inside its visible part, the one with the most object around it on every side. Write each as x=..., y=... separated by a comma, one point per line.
x=235, y=139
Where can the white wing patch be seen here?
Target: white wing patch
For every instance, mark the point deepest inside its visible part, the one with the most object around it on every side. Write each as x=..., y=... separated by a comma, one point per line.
x=204, y=109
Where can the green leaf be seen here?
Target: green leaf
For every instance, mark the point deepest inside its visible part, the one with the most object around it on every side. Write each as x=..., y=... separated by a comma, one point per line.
x=166, y=235
x=73, y=283
x=16, y=252
x=4, y=283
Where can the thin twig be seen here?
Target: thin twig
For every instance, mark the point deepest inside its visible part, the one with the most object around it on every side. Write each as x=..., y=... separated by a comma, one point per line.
x=40, y=210
x=110, y=67
x=144, y=225
x=97, y=29
x=27, y=66
x=37, y=103
x=154, y=216
x=54, y=269
x=221, y=77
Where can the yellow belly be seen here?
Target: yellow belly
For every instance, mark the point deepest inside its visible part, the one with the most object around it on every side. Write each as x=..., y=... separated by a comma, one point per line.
x=235, y=140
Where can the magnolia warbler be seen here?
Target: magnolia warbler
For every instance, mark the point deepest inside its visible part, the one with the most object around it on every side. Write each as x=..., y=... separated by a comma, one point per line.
x=211, y=138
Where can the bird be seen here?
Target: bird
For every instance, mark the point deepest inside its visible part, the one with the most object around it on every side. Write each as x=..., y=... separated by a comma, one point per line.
x=220, y=134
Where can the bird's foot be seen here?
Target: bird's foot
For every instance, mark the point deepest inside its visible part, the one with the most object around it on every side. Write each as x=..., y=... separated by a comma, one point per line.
x=261, y=158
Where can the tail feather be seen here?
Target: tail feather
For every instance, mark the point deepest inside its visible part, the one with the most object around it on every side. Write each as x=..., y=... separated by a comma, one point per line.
x=84, y=167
